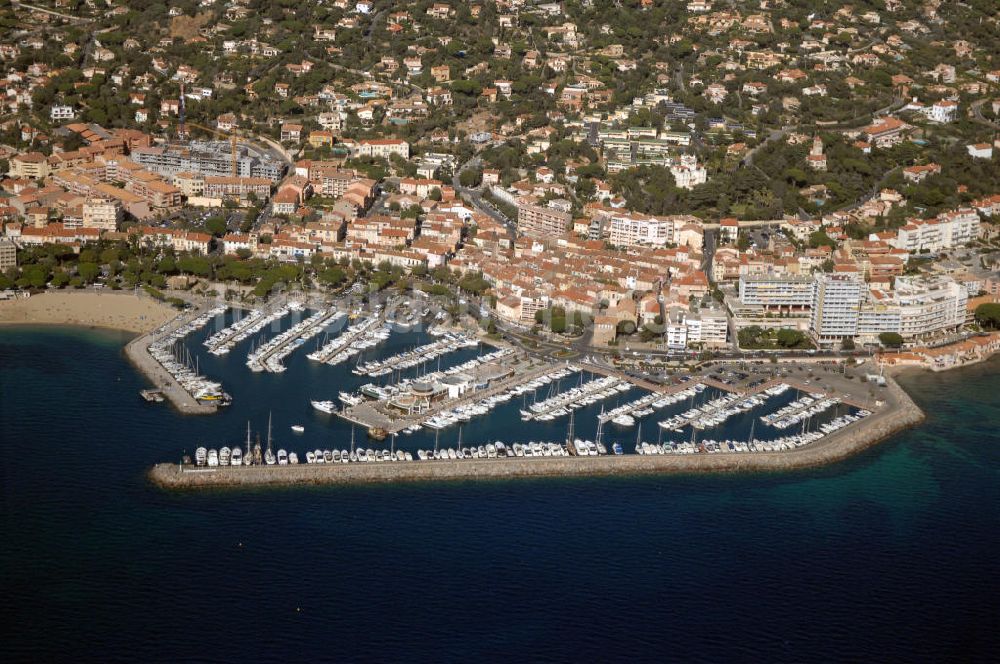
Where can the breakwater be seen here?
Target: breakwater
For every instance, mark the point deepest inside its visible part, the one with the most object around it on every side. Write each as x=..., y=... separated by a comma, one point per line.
x=896, y=413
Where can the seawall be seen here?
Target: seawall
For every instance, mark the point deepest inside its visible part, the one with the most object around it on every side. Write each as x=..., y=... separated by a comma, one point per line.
x=899, y=412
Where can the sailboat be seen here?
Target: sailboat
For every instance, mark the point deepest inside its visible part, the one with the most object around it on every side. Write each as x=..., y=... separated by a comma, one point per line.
x=248, y=458
x=269, y=457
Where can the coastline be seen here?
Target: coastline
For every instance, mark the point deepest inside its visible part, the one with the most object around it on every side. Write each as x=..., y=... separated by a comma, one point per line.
x=899, y=413
x=114, y=310
x=125, y=311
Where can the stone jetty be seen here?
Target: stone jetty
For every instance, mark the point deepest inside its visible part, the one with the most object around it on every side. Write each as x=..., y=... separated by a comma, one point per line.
x=137, y=352
x=898, y=412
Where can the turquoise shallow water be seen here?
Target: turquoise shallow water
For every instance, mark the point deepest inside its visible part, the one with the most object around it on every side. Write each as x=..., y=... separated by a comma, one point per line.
x=892, y=555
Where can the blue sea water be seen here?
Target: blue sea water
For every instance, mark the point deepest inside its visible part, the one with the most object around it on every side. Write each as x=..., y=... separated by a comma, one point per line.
x=892, y=555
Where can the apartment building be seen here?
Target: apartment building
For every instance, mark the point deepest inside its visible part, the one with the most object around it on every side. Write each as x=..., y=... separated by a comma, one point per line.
x=946, y=231
x=835, y=305
x=104, y=213
x=631, y=229
x=206, y=158
x=237, y=188
x=8, y=255
x=928, y=306
x=541, y=222
x=32, y=165
x=778, y=294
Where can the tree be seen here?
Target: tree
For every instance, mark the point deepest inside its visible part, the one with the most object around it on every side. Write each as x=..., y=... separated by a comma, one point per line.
x=60, y=279
x=847, y=343
x=34, y=276
x=891, y=339
x=820, y=238
x=988, y=315
x=89, y=272
x=749, y=336
x=470, y=177
x=216, y=225
x=788, y=338
x=625, y=327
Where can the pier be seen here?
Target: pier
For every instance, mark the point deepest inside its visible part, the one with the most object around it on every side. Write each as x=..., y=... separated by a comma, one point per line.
x=587, y=393
x=269, y=356
x=339, y=349
x=375, y=414
x=222, y=342
x=419, y=355
x=137, y=352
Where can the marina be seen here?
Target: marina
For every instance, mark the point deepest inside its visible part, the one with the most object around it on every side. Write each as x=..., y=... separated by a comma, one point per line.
x=585, y=394
x=359, y=336
x=269, y=356
x=462, y=415
x=223, y=341
x=418, y=356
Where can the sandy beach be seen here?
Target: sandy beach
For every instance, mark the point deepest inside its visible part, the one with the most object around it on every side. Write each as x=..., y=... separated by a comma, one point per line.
x=115, y=310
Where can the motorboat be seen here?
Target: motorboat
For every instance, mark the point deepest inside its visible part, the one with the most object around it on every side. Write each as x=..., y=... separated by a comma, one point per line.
x=328, y=407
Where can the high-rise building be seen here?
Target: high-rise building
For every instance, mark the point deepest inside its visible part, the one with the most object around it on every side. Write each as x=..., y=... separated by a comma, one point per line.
x=784, y=293
x=8, y=255
x=835, y=306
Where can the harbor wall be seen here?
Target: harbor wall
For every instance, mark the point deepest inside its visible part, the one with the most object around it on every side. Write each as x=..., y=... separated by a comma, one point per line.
x=897, y=413
x=137, y=352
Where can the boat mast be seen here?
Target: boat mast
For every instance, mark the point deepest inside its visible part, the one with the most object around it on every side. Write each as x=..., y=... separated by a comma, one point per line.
x=437, y=434
x=569, y=429
x=638, y=436
x=268, y=431
x=352, y=439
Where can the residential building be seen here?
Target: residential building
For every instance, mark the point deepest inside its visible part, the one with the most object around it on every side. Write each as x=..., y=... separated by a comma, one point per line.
x=8, y=255
x=835, y=305
x=541, y=222
x=103, y=213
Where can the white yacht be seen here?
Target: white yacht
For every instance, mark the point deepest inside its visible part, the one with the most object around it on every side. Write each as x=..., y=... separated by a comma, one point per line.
x=328, y=407
x=298, y=428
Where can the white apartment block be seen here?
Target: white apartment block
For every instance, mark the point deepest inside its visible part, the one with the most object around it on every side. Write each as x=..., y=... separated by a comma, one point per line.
x=61, y=113
x=835, y=306
x=777, y=293
x=708, y=328
x=946, y=231
x=102, y=213
x=929, y=306
x=634, y=229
